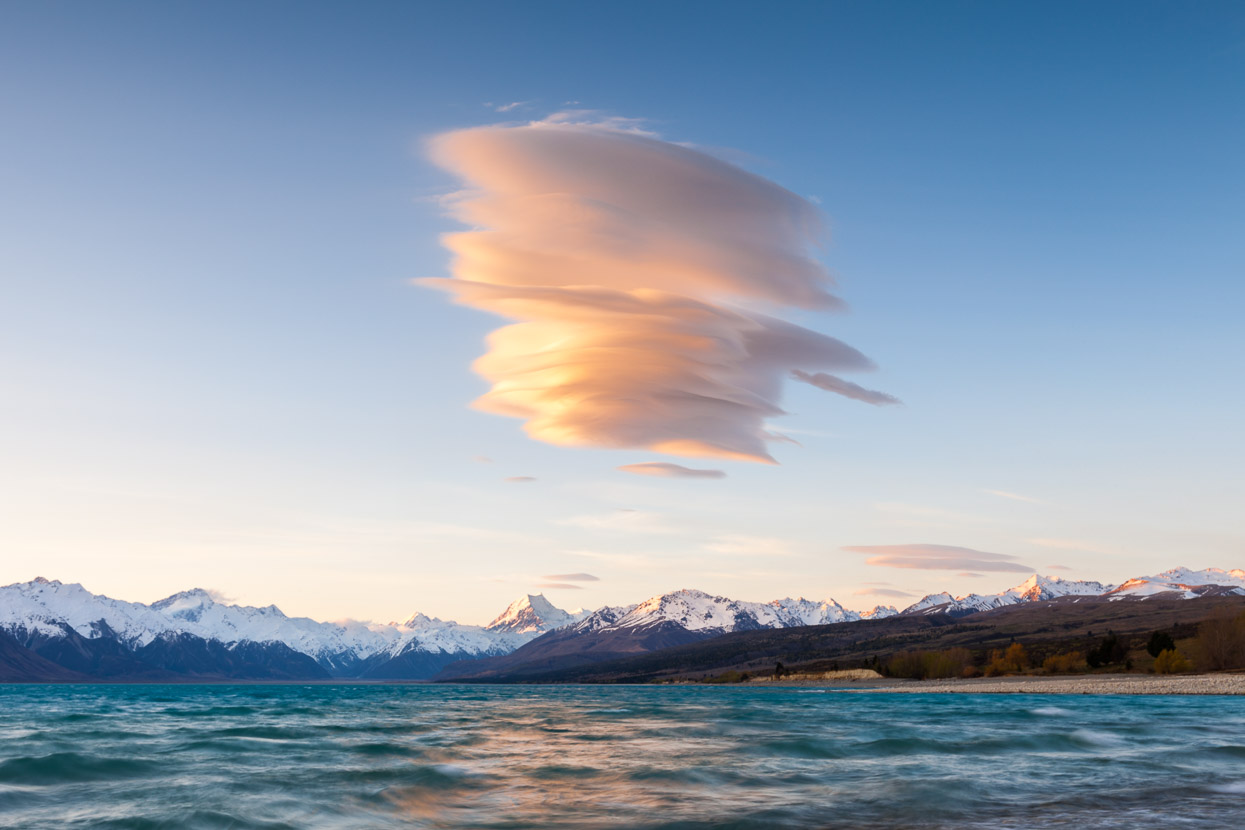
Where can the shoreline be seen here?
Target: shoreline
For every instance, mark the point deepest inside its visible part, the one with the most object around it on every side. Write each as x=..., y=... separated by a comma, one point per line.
x=1102, y=684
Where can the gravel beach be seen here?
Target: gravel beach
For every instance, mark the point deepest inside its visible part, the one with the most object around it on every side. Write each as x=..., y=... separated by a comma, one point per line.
x=1103, y=684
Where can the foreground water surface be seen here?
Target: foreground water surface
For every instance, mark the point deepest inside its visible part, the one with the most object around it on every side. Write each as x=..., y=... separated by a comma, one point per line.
x=153, y=756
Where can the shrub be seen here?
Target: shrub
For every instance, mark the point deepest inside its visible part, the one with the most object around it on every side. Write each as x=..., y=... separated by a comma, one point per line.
x=906, y=664
x=923, y=665
x=1063, y=663
x=1171, y=661
x=949, y=663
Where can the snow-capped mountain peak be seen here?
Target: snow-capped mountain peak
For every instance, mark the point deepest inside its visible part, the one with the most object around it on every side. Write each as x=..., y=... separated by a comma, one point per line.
x=801, y=611
x=1183, y=582
x=418, y=620
x=530, y=613
x=1037, y=588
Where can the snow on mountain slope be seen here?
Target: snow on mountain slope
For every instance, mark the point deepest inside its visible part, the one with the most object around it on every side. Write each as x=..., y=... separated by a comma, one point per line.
x=1183, y=582
x=698, y=611
x=929, y=601
x=533, y=614
x=1036, y=588
x=605, y=617
x=196, y=612
x=879, y=612
x=432, y=634
x=796, y=612
x=42, y=606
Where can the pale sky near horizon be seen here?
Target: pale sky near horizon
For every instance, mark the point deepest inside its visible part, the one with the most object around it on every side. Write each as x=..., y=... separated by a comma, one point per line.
x=216, y=369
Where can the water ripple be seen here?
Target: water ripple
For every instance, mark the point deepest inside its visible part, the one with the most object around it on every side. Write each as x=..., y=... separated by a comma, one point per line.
x=378, y=756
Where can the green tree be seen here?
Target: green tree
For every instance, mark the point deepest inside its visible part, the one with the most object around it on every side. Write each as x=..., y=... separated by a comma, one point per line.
x=1160, y=641
x=1108, y=652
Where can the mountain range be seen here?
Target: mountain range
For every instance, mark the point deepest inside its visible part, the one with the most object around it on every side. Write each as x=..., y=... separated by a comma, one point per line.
x=51, y=630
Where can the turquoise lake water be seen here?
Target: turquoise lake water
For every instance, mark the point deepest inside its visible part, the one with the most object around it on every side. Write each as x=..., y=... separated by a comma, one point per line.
x=154, y=756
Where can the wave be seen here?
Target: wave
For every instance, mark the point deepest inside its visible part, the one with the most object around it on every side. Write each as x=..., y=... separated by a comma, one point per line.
x=67, y=767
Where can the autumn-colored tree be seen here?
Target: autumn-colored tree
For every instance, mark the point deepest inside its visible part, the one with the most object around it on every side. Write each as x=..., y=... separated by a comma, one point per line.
x=924, y=665
x=1171, y=661
x=1013, y=658
x=1061, y=663
x=1221, y=642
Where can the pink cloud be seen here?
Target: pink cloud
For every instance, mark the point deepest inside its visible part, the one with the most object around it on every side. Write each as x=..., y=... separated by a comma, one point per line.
x=664, y=470
x=629, y=264
x=939, y=558
x=882, y=592
x=846, y=388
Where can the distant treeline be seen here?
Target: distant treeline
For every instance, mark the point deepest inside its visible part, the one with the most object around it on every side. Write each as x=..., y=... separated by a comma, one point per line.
x=1216, y=644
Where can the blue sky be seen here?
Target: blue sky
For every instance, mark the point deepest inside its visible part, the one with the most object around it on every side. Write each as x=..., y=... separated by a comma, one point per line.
x=215, y=371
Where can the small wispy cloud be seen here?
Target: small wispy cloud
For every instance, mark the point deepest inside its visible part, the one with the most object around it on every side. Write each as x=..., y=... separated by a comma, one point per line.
x=663, y=469
x=629, y=561
x=1004, y=494
x=220, y=596
x=882, y=592
x=575, y=577
x=738, y=544
x=625, y=520
x=564, y=586
x=513, y=105
x=519, y=479
x=835, y=384
x=1058, y=568
x=481, y=459
x=1071, y=544
x=929, y=557
x=918, y=515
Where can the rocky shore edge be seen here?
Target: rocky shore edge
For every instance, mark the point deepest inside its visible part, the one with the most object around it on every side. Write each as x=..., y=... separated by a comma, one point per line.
x=1094, y=684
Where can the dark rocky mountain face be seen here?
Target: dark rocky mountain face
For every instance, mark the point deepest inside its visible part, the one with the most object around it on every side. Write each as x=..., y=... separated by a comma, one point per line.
x=102, y=656
x=19, y=664
x=170, y=656
x=569, y=647
x=413, y=664
x=187, y=655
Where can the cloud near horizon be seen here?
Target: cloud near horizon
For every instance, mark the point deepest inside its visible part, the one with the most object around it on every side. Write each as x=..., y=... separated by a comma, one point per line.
x=665, y=470
x=1005, y=494
x=894, y=593
x=575, y=577
x=633, y=267
x=938, y=558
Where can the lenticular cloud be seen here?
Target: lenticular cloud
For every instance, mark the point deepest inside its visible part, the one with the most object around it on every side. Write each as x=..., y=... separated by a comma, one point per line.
x=634, y=269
